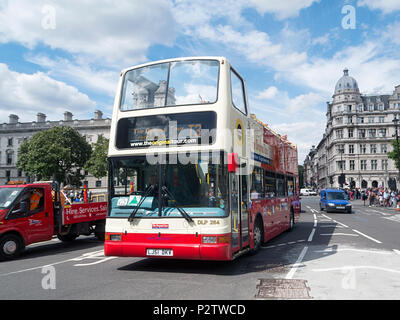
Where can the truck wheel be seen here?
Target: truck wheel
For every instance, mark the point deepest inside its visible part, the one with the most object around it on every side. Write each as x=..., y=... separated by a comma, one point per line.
x=68, y=237
x=10, y=247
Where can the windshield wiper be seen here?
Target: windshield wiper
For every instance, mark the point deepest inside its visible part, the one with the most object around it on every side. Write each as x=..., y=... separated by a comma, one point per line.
x=181, y=210
x=145, y=195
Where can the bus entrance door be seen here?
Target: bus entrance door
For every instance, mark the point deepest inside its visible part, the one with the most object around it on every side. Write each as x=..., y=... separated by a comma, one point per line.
x=239, y=211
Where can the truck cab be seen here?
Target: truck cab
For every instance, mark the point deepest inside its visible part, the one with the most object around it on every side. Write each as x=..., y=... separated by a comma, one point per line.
x=32, y=213
x=334, y=200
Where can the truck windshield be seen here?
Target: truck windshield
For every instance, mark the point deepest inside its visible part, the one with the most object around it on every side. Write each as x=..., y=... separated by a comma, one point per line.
x=170, y=84
x=336, y=196
x=7, y=196
x=200, y=188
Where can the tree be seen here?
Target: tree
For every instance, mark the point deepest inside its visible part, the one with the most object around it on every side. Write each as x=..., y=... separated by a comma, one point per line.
x=301, y=176
x=394, y=155
x=97, y=163
x=57, y=153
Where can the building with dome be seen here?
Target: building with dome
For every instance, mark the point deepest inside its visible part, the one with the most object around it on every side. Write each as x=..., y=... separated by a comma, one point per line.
x=358, y=135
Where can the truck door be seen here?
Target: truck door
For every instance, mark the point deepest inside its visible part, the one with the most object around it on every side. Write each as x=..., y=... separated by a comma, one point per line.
x=30, y=213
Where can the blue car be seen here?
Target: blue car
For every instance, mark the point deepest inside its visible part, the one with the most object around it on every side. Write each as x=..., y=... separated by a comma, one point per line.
x=334, y=200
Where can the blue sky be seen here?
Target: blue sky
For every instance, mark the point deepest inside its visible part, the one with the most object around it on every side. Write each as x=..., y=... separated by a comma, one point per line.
x=58, y=56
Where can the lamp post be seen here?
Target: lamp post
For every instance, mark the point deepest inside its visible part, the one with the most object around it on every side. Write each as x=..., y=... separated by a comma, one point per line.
x=396, y=121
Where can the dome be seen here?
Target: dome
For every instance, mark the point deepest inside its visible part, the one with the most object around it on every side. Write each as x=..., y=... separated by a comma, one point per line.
x=346, y=82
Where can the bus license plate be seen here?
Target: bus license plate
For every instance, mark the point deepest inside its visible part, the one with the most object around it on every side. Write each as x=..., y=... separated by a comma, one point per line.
x=159, y=252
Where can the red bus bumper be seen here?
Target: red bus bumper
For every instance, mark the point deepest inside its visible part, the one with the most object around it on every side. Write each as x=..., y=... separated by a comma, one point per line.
x=183, y=247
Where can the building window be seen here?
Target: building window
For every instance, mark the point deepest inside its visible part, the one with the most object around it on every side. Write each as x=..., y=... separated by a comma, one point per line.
x=381, y=107
x=381, y=119
x=339, y=120
x=383, y=148
x=339, y=134
x=350, y=132
x=10, y=142
x=372, y=133
x=371, y=107
x=374, y=164
x=382, y=133
x=349, y=119
x=370, y=119
x=360, y=108
x=349, y=108
x=373, y=148
x=363, y=164
x=363, y=148
x=339, y=109
x=352, y=165
x=361, y=133
x=351, y=148
x=340, y=148
x=9, y=158
x=384, y=164
x=341, y=165
x=98, y=184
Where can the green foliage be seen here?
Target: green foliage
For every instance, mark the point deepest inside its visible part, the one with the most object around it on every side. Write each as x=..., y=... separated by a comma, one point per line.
x=59, y=152
x=97, y=164
x=394, y=154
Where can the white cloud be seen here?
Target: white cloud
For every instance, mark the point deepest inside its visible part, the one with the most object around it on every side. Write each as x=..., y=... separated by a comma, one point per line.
x=27, y=94
x=282, y=9
x=268, y=93
x=80, y=72
x=386, y=6
x=112, y=32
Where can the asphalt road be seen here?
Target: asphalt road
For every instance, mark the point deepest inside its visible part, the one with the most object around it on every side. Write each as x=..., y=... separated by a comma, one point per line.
x=326, y=256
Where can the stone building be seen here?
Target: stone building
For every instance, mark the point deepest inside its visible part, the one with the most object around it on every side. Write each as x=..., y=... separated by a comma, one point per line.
x=14, y=133
x=358, y=135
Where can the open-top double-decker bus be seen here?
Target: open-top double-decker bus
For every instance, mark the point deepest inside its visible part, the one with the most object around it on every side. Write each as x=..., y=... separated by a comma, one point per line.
x=192, y=174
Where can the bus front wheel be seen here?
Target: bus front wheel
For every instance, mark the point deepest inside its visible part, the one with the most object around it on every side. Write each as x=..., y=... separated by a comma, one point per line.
x=258, y=236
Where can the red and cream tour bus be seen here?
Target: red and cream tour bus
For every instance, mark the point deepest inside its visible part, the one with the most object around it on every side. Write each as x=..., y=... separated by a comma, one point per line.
x=192, y=174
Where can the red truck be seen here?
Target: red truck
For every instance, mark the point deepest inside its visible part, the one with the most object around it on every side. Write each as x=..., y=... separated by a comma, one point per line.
x=31, y=213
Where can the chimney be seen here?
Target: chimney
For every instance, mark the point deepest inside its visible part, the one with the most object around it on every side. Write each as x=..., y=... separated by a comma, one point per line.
x=41, y=117
x=67, y=116
x=13, y=118
x=98, y=115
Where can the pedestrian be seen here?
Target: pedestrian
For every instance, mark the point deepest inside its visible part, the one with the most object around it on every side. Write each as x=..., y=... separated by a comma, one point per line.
x=364, y=196
x=371, y=198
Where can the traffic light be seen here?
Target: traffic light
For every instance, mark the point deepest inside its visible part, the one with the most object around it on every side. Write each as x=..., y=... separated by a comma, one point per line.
x=342, y=179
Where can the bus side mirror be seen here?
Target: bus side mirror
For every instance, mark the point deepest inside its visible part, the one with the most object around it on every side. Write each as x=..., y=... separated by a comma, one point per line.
x=233, y=162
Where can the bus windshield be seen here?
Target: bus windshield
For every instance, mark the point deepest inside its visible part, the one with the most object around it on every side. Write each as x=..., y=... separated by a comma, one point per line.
x=7, y=196
x=199, y=187
x=171, y=84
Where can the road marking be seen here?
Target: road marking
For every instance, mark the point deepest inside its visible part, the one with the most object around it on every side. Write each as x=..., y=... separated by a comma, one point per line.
x=330, y=226
x=356, y=267
x=311, y=235
x=339, y=234
x=87, y=255
x=368, y=237
x=297, y=264
x=355, y=250
x=342, y=224
x=324, y=215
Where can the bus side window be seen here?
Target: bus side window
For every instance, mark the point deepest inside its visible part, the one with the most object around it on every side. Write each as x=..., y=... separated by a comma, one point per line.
x=257, y=190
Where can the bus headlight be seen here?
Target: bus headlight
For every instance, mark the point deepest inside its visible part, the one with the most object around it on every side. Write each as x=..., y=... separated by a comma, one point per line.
x=115, y=237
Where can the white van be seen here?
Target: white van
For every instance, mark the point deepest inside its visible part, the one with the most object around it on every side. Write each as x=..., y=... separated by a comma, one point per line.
x=307, y=192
